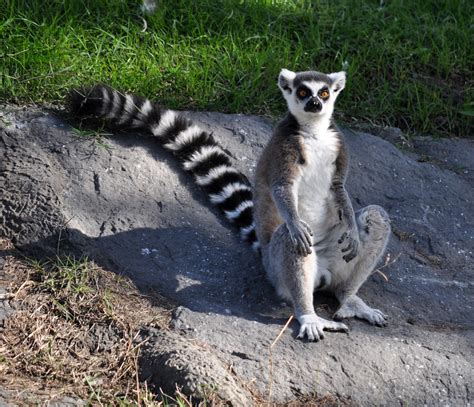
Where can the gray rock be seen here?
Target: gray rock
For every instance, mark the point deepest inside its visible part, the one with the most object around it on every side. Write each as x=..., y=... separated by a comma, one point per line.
x=393, y=135
x=169, y=360
x=129, y=206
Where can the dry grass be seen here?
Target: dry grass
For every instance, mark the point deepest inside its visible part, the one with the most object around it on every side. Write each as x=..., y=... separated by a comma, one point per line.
x=75, y=332
x=316, y=401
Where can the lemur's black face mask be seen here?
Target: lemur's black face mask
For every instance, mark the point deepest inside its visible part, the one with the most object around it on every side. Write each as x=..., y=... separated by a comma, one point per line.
x=313, y=105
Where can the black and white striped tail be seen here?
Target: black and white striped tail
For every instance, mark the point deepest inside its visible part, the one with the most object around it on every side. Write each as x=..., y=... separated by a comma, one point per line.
x=196, y=149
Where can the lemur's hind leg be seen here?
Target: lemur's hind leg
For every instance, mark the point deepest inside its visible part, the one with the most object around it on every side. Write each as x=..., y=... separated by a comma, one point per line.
x=374, y=231
x=294, y=276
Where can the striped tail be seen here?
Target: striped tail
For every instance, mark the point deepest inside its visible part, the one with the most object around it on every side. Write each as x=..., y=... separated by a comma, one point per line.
x=196, y=150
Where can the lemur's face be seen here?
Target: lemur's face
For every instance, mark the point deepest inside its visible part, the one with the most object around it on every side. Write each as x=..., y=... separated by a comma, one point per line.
x=311, y=94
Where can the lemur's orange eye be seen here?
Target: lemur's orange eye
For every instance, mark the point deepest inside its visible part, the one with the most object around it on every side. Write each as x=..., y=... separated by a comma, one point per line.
x=302, y=93
x=324, y=94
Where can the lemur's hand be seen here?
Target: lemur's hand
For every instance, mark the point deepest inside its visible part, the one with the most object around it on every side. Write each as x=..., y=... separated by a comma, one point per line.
x=313, y=327
x=300, y=234
x=350, y=238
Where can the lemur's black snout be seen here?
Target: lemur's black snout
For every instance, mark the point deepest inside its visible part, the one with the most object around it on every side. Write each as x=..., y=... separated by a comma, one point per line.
x=313, y=105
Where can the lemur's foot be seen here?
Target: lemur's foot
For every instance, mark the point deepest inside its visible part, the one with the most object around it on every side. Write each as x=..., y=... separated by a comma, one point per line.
x=313, y=326
x=355, y=307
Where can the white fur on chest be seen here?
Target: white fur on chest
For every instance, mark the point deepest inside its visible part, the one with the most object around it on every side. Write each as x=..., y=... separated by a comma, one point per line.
x=314, y=187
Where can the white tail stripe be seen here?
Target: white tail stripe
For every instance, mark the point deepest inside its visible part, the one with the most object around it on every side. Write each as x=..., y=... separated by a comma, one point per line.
x=128, y=109
x=245, y=231
x=201, y=155
x=115, y=105
x=214, y=173
x=166, y=121
x=184, y=137
x=145, y=110
x=105, y=101
x=227, y=191
x=237, y=211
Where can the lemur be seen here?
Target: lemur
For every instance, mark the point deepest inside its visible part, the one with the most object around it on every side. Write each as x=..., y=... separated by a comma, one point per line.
x=304, y=224
x=310, y=237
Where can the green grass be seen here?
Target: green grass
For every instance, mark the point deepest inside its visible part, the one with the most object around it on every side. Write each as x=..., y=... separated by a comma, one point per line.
x=408, y=62
x=95, y=136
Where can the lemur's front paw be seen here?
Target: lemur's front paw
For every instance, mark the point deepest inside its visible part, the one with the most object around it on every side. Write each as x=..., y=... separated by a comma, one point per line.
x=300, y=234
x=313, y=327
x=351, y=239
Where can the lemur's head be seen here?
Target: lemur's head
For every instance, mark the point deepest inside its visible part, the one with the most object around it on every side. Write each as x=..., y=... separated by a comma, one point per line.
x=311, y=94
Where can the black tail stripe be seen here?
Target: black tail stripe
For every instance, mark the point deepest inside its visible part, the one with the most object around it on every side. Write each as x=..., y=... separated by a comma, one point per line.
x=85, y=102
x=192, y=146
x=224, y=179
x=214, y=160
x=251, y=237
x=233, y=201
x=180, y=123
x=122, y=111
x=245, y=218
x=92, y=101
x=153, y=117
x=137, y=104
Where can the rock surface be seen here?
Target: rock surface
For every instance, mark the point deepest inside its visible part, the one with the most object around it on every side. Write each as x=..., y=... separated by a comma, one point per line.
x=125, y=202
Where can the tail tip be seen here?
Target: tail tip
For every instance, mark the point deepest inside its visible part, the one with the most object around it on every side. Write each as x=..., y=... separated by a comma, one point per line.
x=84, y=101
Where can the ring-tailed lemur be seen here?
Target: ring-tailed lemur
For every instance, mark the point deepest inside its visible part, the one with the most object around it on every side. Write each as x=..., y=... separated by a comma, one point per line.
x=309, y=235
x=299, y=197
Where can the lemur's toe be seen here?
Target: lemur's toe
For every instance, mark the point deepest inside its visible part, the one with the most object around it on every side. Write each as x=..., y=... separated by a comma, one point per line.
x=377, y=317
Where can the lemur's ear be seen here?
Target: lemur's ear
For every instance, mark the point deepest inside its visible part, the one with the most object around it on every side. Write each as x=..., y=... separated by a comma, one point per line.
x=338, y=80
x=285, y=80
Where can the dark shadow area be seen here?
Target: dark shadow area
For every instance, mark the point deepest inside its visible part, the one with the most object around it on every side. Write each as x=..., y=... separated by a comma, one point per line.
x=161, y=261
x=167, y=262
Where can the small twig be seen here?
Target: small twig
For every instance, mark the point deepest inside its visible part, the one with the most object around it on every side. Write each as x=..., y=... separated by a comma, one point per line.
x=60, y=234
x=382, y=274
x=137, y=380
x=135, y=357
x=281, y=332
x=22, y=286
x=119, y=374
x=167, y=395
x=270, y=385
x=6, y=296
x=387, y=263
x=47, y=75
x=183, y=397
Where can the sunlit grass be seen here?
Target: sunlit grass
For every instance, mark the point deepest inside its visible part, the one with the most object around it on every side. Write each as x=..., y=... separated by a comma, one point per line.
x=408, y=63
